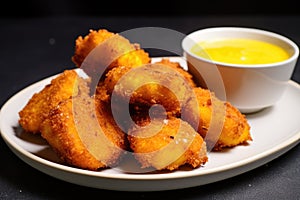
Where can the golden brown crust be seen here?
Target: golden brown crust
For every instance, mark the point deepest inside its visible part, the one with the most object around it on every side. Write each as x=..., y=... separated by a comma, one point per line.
x=73, y=130
x=226, y=125
x=40, y=104
x=167, y=144
x=61, y=132
x=150, y=85
x=112, y=50
x=176, y=66
x=84, y=45
x=109, y=126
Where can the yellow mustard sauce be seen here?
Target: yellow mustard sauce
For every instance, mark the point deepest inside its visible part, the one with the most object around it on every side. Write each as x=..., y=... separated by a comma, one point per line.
x=240, y=51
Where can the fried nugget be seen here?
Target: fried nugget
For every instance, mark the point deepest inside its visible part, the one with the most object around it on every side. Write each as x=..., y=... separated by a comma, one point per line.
x=73, y=130
x=108, y=124
x=220, y=124
x=84, y=45
x=133, y=91
x=167, y=144
x=38, y=107
x=176, y=66
x=115, y=74
x=149, y=85
x=107, y=50
x=135, y=58
x=60, y=132
x=106, y=87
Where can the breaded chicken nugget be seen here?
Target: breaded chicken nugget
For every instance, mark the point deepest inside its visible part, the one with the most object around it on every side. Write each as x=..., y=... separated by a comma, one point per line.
x=133, y=91
x=60, y=132
x=84, y=45
x=109, y=50
x=38, y=107
x=220, y=123
x=106, y=87
x=134, y=58
x=73, y=130
x=179, y=68
x=167, y=144
x=149, y=85
x=108, y=125
x=115, y=74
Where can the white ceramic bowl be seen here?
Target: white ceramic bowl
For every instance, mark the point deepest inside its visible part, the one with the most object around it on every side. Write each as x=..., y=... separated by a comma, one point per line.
x=250, y=88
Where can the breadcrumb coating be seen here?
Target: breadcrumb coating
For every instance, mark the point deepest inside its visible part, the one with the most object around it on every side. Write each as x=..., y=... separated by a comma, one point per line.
x=84, y=45
x=38, y=107
x=73, y=130
x=167, y=144
x=226, y=125
x=176, y=66
x=115, y=51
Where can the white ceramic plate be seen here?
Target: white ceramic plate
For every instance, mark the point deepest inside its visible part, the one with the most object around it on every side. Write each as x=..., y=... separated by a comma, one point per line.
x=274, y=130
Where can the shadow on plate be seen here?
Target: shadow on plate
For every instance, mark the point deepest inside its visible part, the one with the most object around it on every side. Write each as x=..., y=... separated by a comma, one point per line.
x=36, y=145
x=29, y=137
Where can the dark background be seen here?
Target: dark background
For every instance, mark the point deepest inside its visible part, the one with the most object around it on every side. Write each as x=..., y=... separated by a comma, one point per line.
x=42, y=8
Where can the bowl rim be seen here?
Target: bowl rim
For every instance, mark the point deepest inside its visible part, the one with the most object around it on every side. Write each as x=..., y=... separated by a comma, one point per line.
x=189, y=37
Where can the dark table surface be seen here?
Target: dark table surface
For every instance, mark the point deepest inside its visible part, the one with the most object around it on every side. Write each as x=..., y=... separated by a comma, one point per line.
x=36, y=48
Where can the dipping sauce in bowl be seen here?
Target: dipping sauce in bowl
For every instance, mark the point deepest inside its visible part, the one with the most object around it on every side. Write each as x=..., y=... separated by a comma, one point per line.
x=246, y=66
x=240, y=51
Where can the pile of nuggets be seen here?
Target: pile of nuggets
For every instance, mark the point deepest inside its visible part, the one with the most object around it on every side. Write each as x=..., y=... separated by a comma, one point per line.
x=129, y=104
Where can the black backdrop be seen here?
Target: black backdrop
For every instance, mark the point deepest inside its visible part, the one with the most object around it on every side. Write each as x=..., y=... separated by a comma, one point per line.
x=40, y=8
